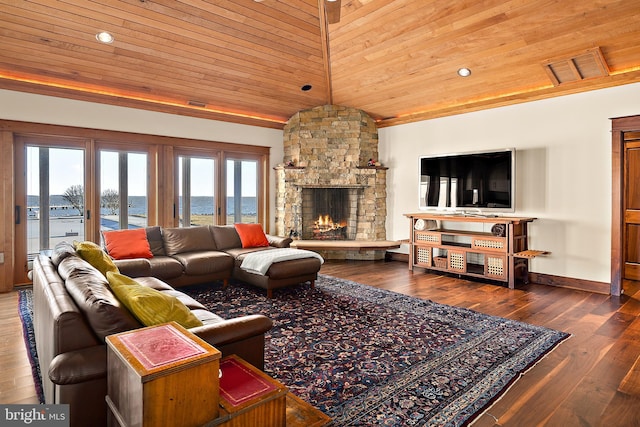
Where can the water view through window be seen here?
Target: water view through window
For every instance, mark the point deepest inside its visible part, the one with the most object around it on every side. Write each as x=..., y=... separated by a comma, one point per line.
x=123, y=190
x=56, y=193
x=55, y=197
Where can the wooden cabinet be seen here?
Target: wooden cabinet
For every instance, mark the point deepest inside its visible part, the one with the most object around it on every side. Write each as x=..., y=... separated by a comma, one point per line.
x=249, y=397
x=161, y=375
x=493, y=248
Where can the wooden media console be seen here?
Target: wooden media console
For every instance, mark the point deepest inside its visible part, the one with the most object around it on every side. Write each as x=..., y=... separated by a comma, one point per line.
x=487, y=247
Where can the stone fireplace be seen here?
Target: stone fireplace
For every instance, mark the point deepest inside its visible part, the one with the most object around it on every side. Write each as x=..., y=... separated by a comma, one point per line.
x=327, y=189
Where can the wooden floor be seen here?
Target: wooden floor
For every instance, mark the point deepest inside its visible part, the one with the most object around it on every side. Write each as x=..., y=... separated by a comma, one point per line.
x=575, y=385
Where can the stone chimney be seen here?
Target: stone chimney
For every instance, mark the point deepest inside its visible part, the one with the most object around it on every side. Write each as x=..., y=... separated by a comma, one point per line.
x=331, y=146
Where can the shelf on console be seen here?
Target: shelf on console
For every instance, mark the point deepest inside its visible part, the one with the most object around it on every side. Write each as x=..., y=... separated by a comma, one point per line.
x=459, y=232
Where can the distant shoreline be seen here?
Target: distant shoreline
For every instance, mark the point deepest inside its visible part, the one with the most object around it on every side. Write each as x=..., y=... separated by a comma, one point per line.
x=200, y=205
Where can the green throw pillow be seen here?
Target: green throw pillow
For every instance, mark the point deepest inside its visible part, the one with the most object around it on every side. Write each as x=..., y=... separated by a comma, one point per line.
x=148, y=305
x=95, y=256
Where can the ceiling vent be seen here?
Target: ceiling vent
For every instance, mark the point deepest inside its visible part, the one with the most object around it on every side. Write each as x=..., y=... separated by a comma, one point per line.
x=197, y=103
x=587, y=65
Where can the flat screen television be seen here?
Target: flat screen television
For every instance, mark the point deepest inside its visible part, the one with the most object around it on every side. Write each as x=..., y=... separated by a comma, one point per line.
x=476, y=182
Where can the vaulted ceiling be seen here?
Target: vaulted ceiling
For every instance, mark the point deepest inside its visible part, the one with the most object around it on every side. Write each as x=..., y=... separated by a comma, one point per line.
x=247, y=61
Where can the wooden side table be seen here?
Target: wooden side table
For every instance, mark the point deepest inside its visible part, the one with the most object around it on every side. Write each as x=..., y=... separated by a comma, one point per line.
x=249, y=397
x=254, y=399
x=161, y=375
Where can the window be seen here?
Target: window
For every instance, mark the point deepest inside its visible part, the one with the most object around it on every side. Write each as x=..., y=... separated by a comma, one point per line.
x=196, y=191
x=123, y=190
x=55, y=197
x=242, y=191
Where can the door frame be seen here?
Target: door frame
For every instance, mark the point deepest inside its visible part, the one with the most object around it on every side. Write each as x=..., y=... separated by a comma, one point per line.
x=21, y=142
x=619, y=126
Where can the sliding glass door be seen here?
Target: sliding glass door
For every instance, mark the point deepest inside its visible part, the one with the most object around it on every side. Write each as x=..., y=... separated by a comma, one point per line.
x=50, y=197
x=242, y=191
x=55, y=197
x=123, y=190
x=197, y=203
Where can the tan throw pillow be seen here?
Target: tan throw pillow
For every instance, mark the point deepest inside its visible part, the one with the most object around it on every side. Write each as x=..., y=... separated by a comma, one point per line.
x=95, y=256
x=148, y=305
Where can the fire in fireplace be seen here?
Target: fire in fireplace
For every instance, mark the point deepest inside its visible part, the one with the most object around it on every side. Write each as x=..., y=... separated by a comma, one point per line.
x=324, y=228
x=329, y=213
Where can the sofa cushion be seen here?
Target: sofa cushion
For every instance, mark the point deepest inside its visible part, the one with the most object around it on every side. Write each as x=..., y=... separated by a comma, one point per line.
x=136, y=267
x=293, y=268
x=279, y=242
x=90, y=291
x=165, y=267
x=187, y=239
x=251, y=235
x=226, y=237
x=239, y=253
x=191, y=303
x=154, y=237
x=127, y=244
x=205, y=262
x=95, y=256
x=153, y=282
x=207, y=317
x=149, y=305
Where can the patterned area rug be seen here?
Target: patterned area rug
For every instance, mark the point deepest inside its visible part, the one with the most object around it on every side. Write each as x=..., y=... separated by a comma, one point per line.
x=367, y=356
x=25, y=310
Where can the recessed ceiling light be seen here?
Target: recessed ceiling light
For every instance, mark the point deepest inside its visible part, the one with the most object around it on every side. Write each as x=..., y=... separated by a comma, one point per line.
x=306, y=88
x=464, y=72
x=104, y=37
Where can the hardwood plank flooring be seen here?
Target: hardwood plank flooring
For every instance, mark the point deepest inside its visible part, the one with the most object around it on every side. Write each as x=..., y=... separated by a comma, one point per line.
x=575, y=385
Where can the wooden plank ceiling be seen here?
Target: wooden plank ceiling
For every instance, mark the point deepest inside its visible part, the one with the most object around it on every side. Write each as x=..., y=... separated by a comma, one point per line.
x=246, y=61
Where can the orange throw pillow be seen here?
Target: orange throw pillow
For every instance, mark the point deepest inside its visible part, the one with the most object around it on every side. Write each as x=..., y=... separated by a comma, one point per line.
x=251, y=235
x=127, y=244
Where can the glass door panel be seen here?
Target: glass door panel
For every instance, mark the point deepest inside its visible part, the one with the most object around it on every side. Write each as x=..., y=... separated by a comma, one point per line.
x=55, y=197
x=123, y=190
x=242, y=188
x=196, y=191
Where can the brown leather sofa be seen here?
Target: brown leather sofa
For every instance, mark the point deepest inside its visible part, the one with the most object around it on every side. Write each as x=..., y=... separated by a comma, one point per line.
x=181, y=257
x=184, y=256
x=74, y=310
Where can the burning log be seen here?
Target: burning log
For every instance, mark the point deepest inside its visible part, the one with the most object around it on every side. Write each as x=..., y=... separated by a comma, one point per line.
x=325, y=229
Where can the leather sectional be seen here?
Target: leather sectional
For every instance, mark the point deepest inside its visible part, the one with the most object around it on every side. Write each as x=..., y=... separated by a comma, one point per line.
x=184, y=256
x=74, y=308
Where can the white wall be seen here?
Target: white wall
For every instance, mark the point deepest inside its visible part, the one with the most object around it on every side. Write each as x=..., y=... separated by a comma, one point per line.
x=44, y=109
x=563, y=149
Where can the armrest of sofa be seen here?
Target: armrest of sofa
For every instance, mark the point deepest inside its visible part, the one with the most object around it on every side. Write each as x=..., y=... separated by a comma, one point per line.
x=279, y=242
x=78, y=366
x=232, y=330
x=136, y=267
